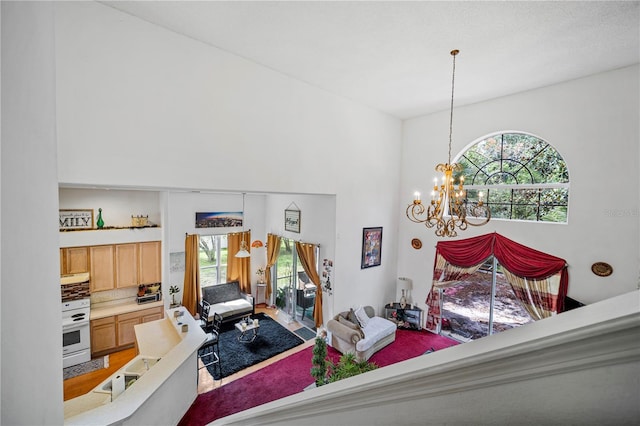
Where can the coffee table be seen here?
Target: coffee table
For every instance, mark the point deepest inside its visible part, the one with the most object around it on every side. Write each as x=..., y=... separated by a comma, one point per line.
x=249, y=332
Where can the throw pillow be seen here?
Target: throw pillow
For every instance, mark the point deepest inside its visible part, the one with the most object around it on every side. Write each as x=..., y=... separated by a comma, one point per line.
x=351, y=325
x=351, y=316
x=362, y=317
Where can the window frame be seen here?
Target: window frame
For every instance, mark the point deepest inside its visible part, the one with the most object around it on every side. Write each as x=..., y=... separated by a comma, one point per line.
x=475, y=188
x=220, y=276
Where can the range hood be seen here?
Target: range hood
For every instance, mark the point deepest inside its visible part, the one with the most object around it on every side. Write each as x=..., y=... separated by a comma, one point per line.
x=82, y=277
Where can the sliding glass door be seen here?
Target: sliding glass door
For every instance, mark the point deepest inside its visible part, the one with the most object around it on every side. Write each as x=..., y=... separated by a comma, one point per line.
x=482, y=304
x=294, y=292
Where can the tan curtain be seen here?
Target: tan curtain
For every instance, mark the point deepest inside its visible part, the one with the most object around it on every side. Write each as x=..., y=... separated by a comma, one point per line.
x=239, y=268
x=307, y=256
x=534, y=294
x=191, y=296
x=273, y=251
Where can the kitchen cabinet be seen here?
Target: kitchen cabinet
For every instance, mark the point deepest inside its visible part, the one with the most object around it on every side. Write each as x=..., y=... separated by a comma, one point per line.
x=113, y=333
x=103, y=335
x=74, y=260
x=149, y=266
x=126, y=322
x=123, y=265
x=102, y=268
x=126, y=262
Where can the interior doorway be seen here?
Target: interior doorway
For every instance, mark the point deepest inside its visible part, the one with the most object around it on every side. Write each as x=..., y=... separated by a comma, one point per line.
x=482, y=304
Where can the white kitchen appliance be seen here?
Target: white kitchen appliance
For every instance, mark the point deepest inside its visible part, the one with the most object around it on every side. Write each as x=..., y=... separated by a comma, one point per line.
x=76, y=309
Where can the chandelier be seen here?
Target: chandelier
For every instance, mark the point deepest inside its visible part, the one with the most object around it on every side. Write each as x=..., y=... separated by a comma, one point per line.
x=449, y=198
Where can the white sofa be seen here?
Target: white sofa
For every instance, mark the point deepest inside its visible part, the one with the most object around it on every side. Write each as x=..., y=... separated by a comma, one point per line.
x=348, y=335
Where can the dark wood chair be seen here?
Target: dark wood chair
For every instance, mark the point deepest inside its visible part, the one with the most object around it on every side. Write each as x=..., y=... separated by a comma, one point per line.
x=209, y=351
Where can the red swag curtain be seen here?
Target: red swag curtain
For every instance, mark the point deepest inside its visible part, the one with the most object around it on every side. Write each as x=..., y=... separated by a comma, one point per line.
x=521, y=261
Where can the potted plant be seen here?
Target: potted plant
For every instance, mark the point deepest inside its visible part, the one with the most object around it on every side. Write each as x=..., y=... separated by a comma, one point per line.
x=260, y=273
x=319, y=361
x=324, y=371
x=172, y=291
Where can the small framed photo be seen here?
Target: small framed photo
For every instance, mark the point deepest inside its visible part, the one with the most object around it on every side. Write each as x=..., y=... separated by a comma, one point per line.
x=72, y=219
x=292, y=220
x=371, y=247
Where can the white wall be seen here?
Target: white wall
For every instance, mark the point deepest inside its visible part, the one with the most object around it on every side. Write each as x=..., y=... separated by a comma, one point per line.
x=31, y=331
x=182, y=207
x=593, y=123
x=139, y=106
x=317, y=226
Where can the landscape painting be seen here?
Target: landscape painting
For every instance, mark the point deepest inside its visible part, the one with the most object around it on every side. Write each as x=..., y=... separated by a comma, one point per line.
x=218, y=219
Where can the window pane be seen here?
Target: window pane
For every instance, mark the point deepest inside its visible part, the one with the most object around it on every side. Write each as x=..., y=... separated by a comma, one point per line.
x=518, y=159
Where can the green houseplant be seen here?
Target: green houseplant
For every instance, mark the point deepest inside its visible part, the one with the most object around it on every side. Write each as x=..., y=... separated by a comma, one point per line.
x=324, y=371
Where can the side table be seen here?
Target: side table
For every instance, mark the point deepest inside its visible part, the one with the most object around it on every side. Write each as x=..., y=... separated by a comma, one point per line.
x=261, y=290
x=409, y=318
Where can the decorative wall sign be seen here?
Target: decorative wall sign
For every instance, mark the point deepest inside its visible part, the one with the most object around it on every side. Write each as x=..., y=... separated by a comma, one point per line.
x=292, y=220
x=601, y=269
x=327, y=267
x=71, y=219
x=371, y=247
x=219, y=219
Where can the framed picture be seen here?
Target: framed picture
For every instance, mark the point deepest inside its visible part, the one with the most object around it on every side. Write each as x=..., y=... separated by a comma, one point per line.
x=292, y=220
x=371, y=247
x=219, y=219
x=75, y=219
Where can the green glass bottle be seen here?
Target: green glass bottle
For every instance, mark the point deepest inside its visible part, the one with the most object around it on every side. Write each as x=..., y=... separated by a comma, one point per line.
x=100, y=222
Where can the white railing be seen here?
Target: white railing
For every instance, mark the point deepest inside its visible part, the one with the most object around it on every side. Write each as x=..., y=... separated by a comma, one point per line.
x=582, y=366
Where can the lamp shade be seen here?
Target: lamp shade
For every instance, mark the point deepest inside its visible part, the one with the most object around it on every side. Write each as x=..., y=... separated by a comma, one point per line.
x=404, y=283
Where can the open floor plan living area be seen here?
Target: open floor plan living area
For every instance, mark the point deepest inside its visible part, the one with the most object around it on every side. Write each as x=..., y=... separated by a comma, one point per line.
x=320, y=212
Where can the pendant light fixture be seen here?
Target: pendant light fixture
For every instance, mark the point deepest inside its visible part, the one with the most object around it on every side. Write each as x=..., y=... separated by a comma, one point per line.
x=449, y=207
x=244, y=248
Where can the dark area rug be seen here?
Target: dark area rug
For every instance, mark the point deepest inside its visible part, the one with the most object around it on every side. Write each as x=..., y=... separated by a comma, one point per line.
x=272, y=339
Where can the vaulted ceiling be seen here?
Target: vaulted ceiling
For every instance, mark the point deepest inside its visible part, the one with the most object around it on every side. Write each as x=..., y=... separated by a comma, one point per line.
x=394, y=55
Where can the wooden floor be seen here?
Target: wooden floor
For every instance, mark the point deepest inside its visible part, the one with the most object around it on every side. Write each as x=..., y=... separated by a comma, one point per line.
x=80, y=385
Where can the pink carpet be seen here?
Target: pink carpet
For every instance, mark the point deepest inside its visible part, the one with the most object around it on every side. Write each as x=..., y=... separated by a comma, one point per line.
x=291, y=375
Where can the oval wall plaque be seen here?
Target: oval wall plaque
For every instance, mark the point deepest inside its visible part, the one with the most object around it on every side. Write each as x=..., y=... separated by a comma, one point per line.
x=416, y=244
x=601, y=269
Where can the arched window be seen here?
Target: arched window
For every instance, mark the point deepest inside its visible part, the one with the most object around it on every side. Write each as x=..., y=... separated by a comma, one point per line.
x=523, y=177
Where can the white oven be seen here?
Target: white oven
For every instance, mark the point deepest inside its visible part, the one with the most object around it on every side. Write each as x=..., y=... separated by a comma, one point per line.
x=76, y=308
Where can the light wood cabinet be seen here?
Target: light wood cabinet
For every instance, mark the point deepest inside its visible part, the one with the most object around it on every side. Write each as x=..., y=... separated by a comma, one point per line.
x=117, y=332
x=118, y=265
x=126, y=265
x=102, y=267
x=74, y=260
x=149, y=266
x=150, y=315
x=103, y=335
x=126, y=333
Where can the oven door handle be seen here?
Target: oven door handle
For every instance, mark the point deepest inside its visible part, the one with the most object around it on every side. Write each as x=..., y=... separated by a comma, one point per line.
x=74, y=326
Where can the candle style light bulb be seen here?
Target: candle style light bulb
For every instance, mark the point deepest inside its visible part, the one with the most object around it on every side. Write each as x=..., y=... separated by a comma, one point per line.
x=416, y=196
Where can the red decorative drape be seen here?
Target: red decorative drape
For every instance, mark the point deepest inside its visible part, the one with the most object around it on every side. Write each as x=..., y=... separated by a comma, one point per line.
x=463, y=256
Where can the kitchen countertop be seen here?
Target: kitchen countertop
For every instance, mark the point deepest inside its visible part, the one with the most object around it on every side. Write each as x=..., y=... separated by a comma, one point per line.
x=162, y=339
x=121, y=308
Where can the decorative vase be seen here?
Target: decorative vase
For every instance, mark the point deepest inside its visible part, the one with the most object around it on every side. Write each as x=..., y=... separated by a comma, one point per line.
x=403, y=300
x=100, y=222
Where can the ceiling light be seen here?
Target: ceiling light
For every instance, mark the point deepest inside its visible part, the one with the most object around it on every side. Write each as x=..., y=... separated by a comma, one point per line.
x=449, y=198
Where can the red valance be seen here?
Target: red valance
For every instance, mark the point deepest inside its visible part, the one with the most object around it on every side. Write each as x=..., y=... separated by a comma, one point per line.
x=520, y=260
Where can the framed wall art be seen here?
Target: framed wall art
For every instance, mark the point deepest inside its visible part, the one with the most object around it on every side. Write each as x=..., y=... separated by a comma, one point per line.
x=72, y=219
x=292, y=220
x=371, y=247
x=219, y=219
